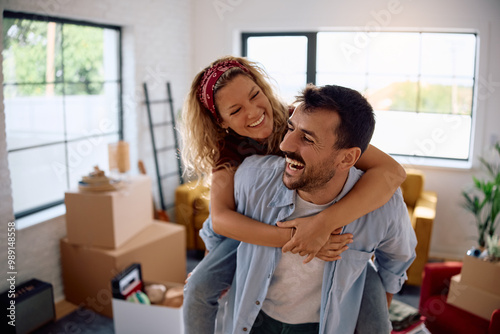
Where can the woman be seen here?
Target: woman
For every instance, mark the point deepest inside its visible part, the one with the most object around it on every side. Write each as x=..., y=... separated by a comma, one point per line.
x=231, y=113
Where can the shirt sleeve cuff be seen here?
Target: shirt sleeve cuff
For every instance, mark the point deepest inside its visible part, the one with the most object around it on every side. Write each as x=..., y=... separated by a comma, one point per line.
x=392, y=282
x=209, y=237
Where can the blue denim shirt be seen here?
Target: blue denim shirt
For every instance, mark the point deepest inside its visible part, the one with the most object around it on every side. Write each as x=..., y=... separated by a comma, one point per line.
x=209, y=237
x=386, y=233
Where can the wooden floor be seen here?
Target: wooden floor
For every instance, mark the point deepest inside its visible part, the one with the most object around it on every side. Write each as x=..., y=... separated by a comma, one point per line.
x=64, y=308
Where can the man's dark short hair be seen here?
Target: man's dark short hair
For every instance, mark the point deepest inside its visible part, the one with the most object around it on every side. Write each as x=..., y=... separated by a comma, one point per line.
x=356, y=114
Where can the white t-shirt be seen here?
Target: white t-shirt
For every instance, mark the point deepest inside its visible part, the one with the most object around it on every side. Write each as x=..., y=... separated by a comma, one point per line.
x=294, y=294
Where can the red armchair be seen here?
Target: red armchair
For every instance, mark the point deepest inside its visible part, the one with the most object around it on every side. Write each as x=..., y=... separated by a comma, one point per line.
x=443, y=318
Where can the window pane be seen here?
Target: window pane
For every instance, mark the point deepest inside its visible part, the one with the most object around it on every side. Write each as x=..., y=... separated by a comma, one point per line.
x=111, y=54
x=46, y=183
x=392, y=93
x=92, y=114
x=341, y=52
x=86, y=88
x=83, y=53
x=420, y=84
x=423, y=134
x=25, y=51
x=448, y=54
x=353, y=81
x=394, y=53
x=33, y=119
x=290, y=85
x=284, y=59
x=446, y=96
x=83, y=155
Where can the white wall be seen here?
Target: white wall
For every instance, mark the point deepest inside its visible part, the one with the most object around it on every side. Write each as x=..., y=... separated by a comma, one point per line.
x=156, y=48
x=217, y=25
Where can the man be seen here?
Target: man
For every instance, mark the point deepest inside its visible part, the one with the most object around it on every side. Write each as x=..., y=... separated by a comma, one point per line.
x=278, y=293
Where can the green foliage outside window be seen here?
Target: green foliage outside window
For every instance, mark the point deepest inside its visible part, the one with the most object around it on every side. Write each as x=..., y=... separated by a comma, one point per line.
x=446, y=99
x=24, y=55
x=432, y=98
x=77, y=53
x=83, y=59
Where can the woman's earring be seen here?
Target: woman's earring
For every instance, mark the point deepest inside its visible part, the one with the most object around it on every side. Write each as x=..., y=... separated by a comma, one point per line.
x=227, y=130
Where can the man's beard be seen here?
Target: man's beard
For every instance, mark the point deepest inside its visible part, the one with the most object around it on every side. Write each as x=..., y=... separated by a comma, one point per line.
x=311, y=178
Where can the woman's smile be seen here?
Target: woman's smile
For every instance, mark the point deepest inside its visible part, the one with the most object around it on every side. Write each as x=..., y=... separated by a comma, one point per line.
x=245, y=108
x=259, y=121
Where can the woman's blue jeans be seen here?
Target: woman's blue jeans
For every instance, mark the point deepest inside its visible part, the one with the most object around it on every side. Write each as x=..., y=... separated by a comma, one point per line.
x=211, y=276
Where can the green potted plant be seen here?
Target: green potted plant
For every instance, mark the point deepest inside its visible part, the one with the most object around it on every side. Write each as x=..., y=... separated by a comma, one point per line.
x=483, y=200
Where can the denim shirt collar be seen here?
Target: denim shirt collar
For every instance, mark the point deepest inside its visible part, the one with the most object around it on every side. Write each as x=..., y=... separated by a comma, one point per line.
x=283, y=197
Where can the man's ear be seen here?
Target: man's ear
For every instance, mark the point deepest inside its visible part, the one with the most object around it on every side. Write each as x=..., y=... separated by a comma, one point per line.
x=349, y=157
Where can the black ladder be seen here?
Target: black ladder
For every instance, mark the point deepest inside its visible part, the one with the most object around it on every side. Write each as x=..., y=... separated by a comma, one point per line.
x=175, y=146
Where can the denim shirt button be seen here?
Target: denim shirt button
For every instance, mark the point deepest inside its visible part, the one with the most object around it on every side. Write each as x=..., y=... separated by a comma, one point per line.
x=245, y=329
x=257, y=303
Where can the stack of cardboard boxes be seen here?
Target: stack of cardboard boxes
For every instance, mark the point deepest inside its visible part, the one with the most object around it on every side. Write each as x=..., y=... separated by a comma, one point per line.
x=107, y=232
x=476, y=289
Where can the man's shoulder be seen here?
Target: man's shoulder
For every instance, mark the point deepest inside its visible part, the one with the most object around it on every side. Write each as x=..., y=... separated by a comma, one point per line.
x=259, y=169
x=394, y=207
x=395, y=203
x=259, y=162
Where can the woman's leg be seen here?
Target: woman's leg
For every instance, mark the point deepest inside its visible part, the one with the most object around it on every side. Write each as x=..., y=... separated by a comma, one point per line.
x=208, y=280
x=374, y=313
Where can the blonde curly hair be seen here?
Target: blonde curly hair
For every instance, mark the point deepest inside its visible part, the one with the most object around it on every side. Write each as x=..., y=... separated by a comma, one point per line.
x=200, y=131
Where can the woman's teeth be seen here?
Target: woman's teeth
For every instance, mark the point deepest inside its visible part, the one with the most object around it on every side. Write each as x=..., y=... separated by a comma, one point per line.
x=294, y=164
x=258, y=121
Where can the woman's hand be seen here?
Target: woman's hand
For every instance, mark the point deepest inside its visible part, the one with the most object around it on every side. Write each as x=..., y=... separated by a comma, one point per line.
x=310, y=236
x=335, y=246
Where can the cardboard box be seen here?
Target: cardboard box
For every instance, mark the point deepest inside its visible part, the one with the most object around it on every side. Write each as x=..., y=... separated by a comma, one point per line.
x=481, y=274
x=140, y=318
x=109, y=219
x=87, y=271
x=469, y=298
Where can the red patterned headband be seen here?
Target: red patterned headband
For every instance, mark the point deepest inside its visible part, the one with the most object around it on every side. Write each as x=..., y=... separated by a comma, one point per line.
x=210, y=77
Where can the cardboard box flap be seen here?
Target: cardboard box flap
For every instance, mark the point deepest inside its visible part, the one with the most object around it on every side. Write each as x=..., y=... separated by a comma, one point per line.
x=152, y=233
x=471, y=299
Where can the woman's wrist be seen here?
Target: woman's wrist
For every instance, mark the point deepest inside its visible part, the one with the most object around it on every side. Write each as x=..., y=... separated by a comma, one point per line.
x=328, y=221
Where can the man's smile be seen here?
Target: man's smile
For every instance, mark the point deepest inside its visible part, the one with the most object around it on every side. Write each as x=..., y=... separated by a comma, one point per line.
x=294, y=164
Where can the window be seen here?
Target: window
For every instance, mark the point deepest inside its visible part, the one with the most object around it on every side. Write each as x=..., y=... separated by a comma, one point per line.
x=62, y=97
x=420, y=84
x=286, y=59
